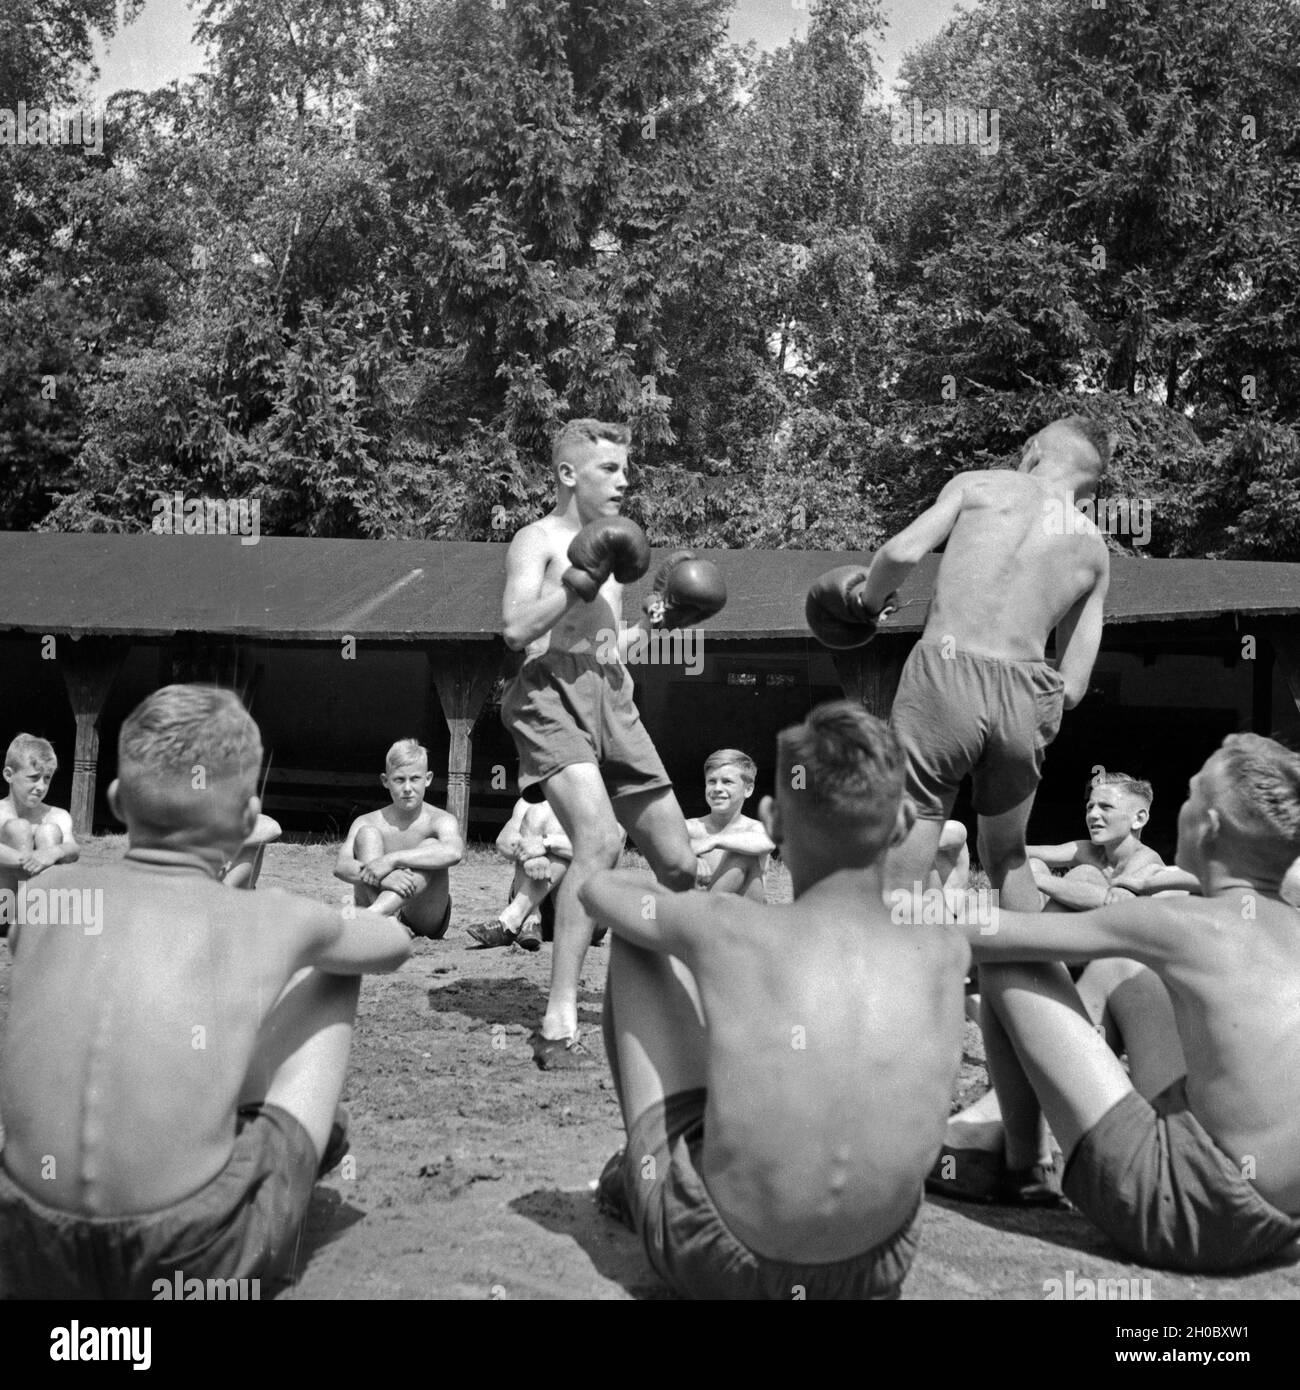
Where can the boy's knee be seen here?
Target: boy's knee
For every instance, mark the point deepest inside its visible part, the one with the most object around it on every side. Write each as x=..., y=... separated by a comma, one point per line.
x=1089, y=874
x=678, y=874
x=368, y=845
x=47, y=837
x=17, y=834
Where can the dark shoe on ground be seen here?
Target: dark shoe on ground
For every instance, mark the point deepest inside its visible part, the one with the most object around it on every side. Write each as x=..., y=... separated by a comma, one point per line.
x=530, y=935
x=1039, y=1186
x=611, y=1194
x=967, y=1175
x=489, y=934
x=337, y=1146
x=559, y=1054
x=599, y=935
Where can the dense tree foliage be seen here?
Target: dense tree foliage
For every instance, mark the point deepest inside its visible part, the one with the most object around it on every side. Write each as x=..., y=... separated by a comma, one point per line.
x=365, y=264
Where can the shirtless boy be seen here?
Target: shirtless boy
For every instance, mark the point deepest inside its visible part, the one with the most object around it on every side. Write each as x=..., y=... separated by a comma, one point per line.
x=580, y=739
x=976, y=694
x=33, y=836
x=1196, y=1166
x=1117, y=993
x=169, y=1085
x=784, y=1071
x=397, y=857
x=731, y=848
x=533, y=840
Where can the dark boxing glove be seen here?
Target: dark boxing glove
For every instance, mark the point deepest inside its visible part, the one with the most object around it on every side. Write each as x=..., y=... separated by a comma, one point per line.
x=614, y=546
x=837, y=612
x=686, y=591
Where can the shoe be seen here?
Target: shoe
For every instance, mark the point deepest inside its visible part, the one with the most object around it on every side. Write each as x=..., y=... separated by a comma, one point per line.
x=489, y=934
x=559, y=1054
x=599, y=935
x=530, y=935
x=968, y=1175
x=1037, y=1186
x=611, y=1192
x=337, y=1146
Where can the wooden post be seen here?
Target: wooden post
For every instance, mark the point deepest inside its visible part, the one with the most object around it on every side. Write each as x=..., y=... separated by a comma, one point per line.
x=90, y=666
x=463, y=675
x=870, y=675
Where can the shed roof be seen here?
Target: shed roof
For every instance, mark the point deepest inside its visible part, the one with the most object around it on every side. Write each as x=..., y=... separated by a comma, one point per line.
x=291, y=588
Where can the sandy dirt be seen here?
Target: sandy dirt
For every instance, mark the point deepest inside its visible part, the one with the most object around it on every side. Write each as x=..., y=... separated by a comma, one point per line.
x=471, y=1171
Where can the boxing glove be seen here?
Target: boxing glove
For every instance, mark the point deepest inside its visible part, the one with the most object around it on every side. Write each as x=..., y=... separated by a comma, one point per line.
x=836, y=610
x=686, y=591
x=614, y=545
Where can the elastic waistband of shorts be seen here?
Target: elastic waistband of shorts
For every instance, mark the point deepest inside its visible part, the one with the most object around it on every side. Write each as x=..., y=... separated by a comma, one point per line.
x=570, y=662
x=141, y=1220
x=983, y=658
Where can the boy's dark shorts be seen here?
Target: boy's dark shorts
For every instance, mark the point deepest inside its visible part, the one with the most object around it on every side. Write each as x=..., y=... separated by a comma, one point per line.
x=429, y=934
x=563, y=709
x=244, y=1224
x=694, y=1252
x=981, y=715
x=1159, y=1186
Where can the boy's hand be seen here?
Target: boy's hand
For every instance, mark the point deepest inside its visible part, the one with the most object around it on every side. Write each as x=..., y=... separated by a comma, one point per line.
x=374, y=873
x=704, y=844
x=538, y=867
x=400, y=881
x=39, y=860
x=1042, y=874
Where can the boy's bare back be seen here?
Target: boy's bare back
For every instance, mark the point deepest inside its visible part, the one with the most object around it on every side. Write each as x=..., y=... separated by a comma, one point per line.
x=834, y=1037
x=126, y=1051
x=1007, y=577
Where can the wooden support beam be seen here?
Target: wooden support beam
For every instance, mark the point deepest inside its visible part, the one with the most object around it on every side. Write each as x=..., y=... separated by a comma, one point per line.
x=90, y=666
x=463, y=675
x=869, y=675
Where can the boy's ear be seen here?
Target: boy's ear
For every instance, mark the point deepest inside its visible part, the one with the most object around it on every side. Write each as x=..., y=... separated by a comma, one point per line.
x=903, y=821
x=114, y=798
x=565, y=473
x=252, y=810
x=770, y=814
x=428, y=777
x=1141, y=816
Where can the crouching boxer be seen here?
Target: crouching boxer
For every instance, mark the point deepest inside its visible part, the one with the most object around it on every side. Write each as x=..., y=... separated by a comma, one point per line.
x=581, y=742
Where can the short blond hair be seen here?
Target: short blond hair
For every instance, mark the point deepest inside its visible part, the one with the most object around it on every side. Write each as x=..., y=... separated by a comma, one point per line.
x=181, y=728
x=28, y=749
x=405, y=750
x=732, y=757
x=580, y=435
x=1259, y=797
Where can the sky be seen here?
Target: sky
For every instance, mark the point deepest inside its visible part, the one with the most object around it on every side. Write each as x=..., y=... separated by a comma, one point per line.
x=157, y=47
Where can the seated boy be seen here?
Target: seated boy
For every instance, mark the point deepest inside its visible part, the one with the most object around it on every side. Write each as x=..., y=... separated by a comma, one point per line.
x=784, y=1071
x=534, y=841
x=731, y=849
x=246, y=868
x=397, y=857
x=971, y=1164
x=169, y=1084
x=1193, y=1163
x=33, y=836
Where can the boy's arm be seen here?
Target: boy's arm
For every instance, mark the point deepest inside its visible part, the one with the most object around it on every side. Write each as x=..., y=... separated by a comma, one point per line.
x=1156, y=880
x=440, y=849
x=346, y=867
x=526, y=614
x=748, y=840
x=1078, y=637
x=1070, y=893
x=356, y=942
x=899, y=555
x=643, y=912
x=556, y=842
x=508, y=840
x=68, y=851
x=1150, y=933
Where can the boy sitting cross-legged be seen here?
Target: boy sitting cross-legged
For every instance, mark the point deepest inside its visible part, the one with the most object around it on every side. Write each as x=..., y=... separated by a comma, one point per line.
x=731, y=848
x=1196, y=1167
x=784, y=1072
x=169, y=1081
